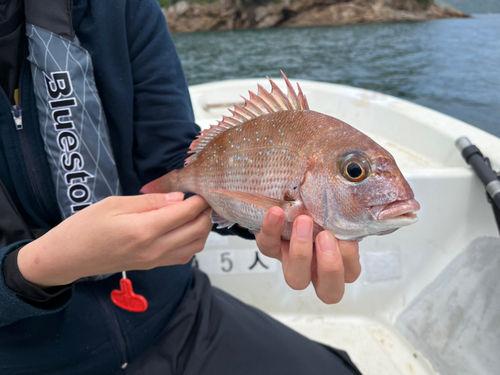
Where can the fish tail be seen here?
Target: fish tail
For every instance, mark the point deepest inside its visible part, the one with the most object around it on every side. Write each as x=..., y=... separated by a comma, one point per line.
x=173, y=181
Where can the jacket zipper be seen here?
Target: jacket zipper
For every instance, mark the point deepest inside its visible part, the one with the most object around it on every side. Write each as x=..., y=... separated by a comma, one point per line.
x=28, y=157
x=2, y=186
x=17, y=113
x=115, y=327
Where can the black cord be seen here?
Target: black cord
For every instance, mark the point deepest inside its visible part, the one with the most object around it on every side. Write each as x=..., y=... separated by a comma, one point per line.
x=496, y=210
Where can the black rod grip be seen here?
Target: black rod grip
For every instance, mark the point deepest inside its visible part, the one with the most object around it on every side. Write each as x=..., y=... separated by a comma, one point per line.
x=488, y=177
x=483, y=170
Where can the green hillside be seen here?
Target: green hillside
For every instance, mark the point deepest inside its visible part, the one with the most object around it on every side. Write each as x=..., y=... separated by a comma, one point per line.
x=472, y=6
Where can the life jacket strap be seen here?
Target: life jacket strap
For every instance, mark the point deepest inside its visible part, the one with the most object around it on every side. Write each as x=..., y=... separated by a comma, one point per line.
x=55, y=16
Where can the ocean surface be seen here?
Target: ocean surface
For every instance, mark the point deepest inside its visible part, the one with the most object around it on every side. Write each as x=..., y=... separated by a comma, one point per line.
x=452, y=66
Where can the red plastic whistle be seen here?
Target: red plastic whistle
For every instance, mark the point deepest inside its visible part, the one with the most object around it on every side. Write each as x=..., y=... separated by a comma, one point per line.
x=127, y=299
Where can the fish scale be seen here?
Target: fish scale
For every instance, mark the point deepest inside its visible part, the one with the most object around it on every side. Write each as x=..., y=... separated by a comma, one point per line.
x=275, y=151
x=254, y=157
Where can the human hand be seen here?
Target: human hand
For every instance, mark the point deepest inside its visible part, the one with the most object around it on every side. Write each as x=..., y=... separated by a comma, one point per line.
x=118, y=234
x=329, y=263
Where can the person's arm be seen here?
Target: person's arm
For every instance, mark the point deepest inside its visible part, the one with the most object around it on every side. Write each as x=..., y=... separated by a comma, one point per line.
x=122, y=233
x=164, y=124
x=13, y=307
x=163, y=114
x=114, y=235
x=47, y=299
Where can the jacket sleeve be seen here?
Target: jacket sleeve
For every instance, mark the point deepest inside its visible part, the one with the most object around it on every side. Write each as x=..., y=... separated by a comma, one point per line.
x=12, y=306
x=163, y=112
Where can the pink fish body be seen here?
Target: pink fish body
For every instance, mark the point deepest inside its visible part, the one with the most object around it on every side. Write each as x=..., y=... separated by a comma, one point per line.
x=274, y=151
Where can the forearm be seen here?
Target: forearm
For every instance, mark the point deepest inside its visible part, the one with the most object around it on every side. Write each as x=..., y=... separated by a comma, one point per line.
x=43, y=264
x=15, y=305
x=35, y=295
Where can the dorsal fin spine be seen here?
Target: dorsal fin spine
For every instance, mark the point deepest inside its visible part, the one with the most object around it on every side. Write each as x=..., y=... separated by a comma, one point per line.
x=279, y=96
x=291, y=95
x=259, y=99
x=237, y=116
x=230, y=120
x=250, y=105
x=243, y=111
x=269, y=99
x=302, y=99
x=258, y=103
x=263, y=103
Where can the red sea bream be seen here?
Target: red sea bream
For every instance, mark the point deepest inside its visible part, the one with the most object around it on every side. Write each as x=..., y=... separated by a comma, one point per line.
x=275, y=151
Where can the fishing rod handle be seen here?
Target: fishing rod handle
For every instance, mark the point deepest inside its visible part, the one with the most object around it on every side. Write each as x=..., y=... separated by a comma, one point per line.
x=474, y=157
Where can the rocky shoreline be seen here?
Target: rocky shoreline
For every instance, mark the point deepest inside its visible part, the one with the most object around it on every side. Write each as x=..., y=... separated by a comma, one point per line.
x=245, y=14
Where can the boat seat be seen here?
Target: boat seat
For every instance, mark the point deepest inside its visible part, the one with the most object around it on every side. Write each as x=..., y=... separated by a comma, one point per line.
x=455, y=320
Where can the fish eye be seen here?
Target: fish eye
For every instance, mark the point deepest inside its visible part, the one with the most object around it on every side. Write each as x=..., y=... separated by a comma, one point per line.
x=355, y=167
x=354, y=170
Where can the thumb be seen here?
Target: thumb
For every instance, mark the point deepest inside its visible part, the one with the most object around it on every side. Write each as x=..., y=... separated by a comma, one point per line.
x=148, y=202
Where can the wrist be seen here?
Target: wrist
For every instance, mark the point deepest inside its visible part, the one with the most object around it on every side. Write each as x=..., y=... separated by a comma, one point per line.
x=38, y=267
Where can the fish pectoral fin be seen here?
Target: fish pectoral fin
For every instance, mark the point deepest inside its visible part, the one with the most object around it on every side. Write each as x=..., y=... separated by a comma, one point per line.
x=222, y=223
x=292, y=209
x=256, y=200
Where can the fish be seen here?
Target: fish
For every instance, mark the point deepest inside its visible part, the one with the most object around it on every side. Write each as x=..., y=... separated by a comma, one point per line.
x=274, y=151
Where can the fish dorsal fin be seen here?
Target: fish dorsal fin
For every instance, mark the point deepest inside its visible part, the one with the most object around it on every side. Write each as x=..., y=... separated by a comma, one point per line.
x=257, y=105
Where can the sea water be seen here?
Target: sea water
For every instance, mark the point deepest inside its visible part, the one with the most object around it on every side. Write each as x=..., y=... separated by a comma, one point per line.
x=451, y=65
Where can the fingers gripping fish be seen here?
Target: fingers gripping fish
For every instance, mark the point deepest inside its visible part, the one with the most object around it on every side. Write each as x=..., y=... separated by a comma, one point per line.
x=275, y=151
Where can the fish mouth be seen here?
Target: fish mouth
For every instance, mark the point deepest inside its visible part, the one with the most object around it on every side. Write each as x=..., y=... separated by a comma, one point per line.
x=401, y=212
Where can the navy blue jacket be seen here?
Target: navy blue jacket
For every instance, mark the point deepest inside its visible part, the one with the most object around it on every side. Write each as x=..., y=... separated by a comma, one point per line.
x=146, y=102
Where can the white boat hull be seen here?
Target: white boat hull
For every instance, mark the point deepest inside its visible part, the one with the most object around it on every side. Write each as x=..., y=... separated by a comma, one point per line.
x=396, y=267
